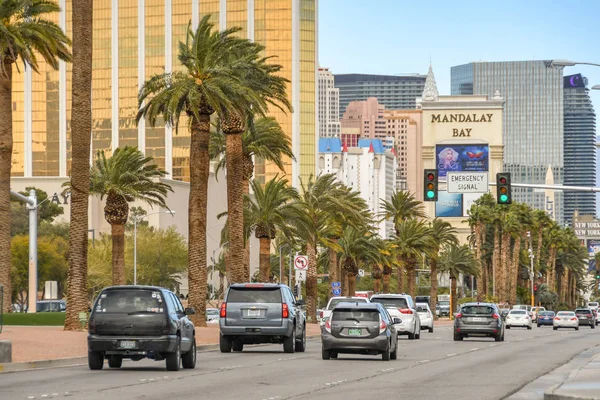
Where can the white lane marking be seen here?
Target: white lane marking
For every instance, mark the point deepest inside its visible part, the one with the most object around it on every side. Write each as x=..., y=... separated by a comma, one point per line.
x=422, y=361
x=143, y=380
x=450, y=355
x=437, y=338
x=31, y=397
x=492, y=345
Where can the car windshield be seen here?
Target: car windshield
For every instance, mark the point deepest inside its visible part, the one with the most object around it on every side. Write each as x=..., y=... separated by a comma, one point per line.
x=130, y=301
x=520, y=307
x=335, y=302
x=254, y=295
x=422, y=308
x=477, y=310
x=391, y=302
x=579, y=312
x=444, y=303
x=355, y=315
x=518, y=312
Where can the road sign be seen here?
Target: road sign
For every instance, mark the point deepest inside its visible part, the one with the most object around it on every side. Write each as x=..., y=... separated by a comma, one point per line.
x=336, y=284
x=301, y=262
x=467, y=182
x=300, y=275
x=361, y=272
x=336, y=292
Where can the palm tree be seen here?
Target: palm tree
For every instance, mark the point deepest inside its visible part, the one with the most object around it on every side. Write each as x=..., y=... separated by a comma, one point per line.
x=81, y=128
x=457, y=260
x=219, y=267
x=479, y=218
x=389, y=261
x=25, y=34
x=269, y=210
x=212, y=80
x=413, y=240
x=402, y=206
x=357, y=248
x=524, y=218
x=541, y=221
x=443, y=234
x=125, y=177
x=509, y=225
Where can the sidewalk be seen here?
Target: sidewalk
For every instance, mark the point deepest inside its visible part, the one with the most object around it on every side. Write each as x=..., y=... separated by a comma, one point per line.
x=581, y=384
x=36, y=343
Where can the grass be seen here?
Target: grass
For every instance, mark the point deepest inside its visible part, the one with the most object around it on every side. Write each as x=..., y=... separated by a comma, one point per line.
x=37, y=319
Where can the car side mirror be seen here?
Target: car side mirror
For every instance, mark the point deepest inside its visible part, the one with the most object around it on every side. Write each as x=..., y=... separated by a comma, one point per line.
x=189, y=311
x=300, y=302
x=396, y=321
x=89, y=309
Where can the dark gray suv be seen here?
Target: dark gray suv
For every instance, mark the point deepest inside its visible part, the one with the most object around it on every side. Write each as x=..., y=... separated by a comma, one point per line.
x=255, y=313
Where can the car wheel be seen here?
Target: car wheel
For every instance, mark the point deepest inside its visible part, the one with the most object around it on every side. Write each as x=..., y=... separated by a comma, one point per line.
x=188, y=360
x=394, y=354
x=502, y=337
x=173, y=360
x=115, y=361
x=95, y=360
x=289, y=342
x=334, y=355
x=418, y=333
x=431, y=330
x=458, y=338
x=411, y=336
x=577, y=328
x=528, y=327
x=237, y=345
x=325, y=354
x=507, y=326
x=498, y=338
x=385, y=356
x=538, y=325
x=301, y=344
x=593, y=326
x=225, y=344
x=555, y=328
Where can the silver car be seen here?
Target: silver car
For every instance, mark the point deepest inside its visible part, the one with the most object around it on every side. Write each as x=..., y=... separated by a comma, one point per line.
x=401, y=306
x=360, y=328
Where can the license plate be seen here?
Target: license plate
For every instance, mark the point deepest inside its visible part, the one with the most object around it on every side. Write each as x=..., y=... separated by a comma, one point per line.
x=477, y=319
x=254, y=313
x=583, y=317
x=354, y=332
x=128, y=344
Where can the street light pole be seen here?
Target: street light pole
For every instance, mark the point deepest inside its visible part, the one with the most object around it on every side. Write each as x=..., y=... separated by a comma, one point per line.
x=531, y=272
x=137, y=218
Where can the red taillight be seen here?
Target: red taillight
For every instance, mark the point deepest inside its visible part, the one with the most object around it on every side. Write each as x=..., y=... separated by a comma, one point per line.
x=382, y=327
x=573, y=319
x=495, y=316
x=459, y=315
x=405, y=310
x=328, y=326
x=556, y=319
x=223, y=312
x=285, y=312
x=321, y=314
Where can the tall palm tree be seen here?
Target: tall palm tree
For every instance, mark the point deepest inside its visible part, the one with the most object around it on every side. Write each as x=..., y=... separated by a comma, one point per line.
x=479, y=218
x=457, y=260
x=389, y=263
x=413, y=241
x=443, y=234
x=524, y=218
x=81, y=137
x=213, y=79
x=402, y=206
x=25, y=34
x=356, y=249
x=123, y=178
x=541, y=221
x=269, y=210
x=509, y=224
x=219, y=267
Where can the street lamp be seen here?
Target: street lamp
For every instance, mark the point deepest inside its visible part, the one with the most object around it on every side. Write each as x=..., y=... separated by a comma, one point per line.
x=136, y=219
x=596, y=87
x=531, y=273
x=569, y=63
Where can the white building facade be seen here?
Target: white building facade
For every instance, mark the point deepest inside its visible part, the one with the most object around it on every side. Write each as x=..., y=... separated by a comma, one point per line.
x=369, y=169
x=329, y=103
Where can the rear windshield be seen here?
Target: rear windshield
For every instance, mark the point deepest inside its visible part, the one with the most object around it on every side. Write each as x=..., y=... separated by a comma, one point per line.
x=583, y=312
x=130, y=301
x=355, y=314
x=421, y=308
x=593, y=304
x=443, y=303
x=390, y=302
x=52, y=306
x=478, y=310
x=518, y=312
x=565, y=314
x=254, y=295
x=547, y=313
x=335, y=302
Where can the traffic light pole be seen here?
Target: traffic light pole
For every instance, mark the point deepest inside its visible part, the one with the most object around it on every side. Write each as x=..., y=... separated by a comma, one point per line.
x=551, y=187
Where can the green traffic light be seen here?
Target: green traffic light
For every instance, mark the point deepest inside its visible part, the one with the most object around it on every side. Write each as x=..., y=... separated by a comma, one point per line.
x=503, y=198
x=430, y=194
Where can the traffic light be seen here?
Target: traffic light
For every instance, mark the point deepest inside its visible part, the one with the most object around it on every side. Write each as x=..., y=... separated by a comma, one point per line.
x=430, y=186
x=535, y=288
x=597, y=274
x=503, y=189
x=296, y=290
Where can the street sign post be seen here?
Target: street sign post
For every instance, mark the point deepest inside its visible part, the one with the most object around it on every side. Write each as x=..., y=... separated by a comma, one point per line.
x=467, y=182
x=336, y=284
x=300, y=275
x=336, y=292
x=361, y=272
x=301, y=262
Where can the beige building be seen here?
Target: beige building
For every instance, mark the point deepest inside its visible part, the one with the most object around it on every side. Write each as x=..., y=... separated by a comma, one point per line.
x=405, y=127
x=460, y=133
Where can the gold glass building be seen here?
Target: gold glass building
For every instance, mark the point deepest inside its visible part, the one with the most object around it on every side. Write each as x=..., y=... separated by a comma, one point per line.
x=135, y=39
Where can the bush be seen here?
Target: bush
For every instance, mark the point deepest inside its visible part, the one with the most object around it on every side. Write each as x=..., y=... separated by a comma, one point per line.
x=37, y=319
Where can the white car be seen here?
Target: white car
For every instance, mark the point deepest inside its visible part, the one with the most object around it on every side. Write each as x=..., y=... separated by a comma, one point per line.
x=535, y=311
x=425, y=316
x=334, y=301
x=403, y=307
x=566, y=319
x=518, y=318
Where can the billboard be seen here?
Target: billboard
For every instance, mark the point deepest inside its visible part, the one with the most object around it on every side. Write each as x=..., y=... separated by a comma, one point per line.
x=574, y=81
x=593, y=247
x=457, y=158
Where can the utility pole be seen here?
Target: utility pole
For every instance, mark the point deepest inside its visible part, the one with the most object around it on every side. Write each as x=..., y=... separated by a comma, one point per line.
x=531, y=272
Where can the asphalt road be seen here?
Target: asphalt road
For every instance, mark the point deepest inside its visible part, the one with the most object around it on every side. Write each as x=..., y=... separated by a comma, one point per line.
x=434, y=367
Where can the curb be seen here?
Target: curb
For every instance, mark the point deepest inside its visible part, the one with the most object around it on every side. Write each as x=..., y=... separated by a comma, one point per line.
x=80, y=361
x=551, y=395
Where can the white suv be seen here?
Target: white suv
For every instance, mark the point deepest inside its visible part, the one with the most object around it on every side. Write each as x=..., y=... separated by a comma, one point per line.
x=401, y=306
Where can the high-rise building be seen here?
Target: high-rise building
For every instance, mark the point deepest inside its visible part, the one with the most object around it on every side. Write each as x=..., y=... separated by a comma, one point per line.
x=579, y=146
x=365, y=118
x=329, y=105
x=134, y=40
x=533, y=121
x=395, y=92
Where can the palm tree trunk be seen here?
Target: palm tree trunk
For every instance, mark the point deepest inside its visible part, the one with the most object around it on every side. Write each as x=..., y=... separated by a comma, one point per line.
x=6, y=147
x=221, y=285
x=351, y=284
x=503, y=285
x=550, y=270
x=411, y=274
x=311, y=280
x=264, y=262
x=344, y=282
x=482, y=284
x=515, y=270
x=433, y=290
x=386, y=282
x=81, y=128
x=538, y=251
x=235, y=208
x=334, y=275
x=117, y=233
x=400, y=279
x=246, y=192
x=197, y=210
x=496, y=262
x=453, y=295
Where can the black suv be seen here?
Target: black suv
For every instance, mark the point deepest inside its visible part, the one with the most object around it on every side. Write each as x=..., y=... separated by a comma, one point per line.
x=586, y=317
x=261, y=313
x=140, y=321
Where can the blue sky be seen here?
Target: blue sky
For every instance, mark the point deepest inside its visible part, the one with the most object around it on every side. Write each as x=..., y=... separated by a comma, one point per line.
x=400, y=36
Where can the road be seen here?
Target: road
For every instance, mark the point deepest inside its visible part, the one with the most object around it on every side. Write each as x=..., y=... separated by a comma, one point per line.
x=434, y=367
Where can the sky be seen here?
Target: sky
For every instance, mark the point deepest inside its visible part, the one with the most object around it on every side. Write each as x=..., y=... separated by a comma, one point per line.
x=401, y=36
